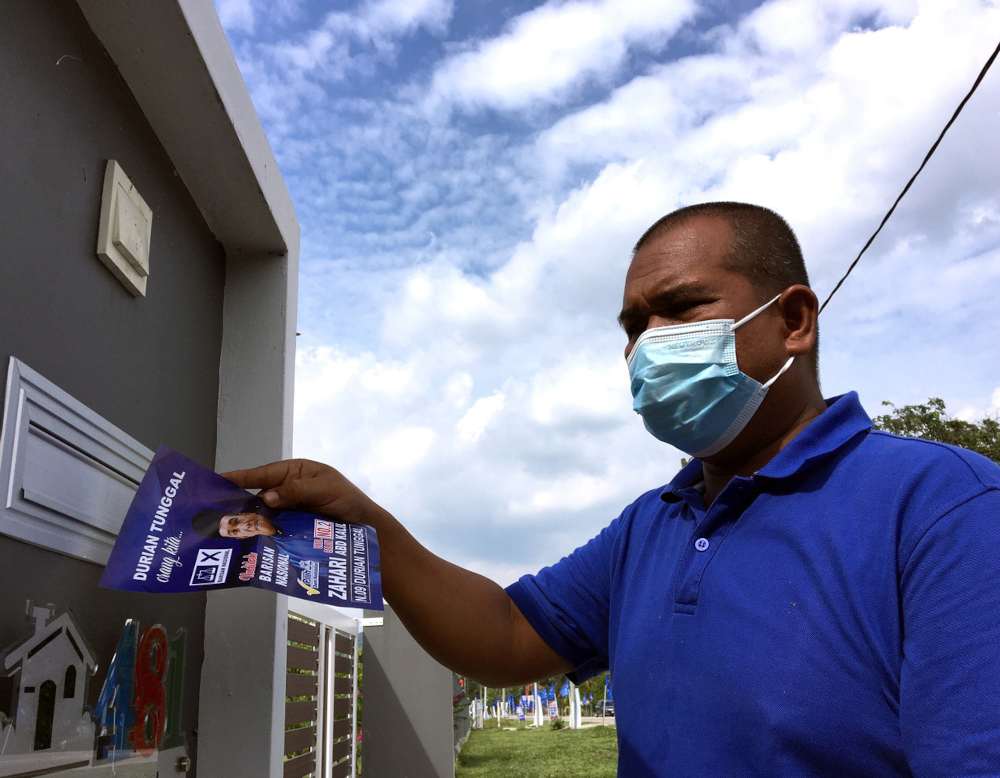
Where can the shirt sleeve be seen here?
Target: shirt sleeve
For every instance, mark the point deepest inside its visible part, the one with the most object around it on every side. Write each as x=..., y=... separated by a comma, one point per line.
x=950, y=677
x=568, y=604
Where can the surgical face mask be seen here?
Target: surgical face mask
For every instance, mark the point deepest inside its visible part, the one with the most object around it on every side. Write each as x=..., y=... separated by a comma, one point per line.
x=688, y=388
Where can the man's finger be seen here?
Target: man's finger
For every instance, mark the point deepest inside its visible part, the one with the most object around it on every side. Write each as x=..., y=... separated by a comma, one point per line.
x=263, y=477
x=300, y=492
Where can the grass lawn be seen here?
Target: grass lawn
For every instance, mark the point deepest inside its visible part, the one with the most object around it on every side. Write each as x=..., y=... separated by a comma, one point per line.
x=539, y=753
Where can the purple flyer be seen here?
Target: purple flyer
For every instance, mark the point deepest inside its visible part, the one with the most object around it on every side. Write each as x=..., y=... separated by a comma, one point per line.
x=189, y=529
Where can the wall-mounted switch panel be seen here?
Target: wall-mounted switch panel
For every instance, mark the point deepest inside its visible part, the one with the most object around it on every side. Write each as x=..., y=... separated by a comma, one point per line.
x=123, y=237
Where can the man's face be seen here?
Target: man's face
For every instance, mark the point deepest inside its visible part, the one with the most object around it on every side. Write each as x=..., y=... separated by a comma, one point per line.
x=680, y=277
x=245, y=525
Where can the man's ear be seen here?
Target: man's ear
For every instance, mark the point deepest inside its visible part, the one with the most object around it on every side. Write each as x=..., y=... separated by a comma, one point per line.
x=800, y=310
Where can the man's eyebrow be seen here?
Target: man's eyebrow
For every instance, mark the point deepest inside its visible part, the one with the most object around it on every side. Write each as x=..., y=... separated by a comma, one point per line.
x=665, y=298
x=625, y=315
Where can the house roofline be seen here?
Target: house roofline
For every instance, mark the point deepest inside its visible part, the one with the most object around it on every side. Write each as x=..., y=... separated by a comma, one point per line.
x=17, y=651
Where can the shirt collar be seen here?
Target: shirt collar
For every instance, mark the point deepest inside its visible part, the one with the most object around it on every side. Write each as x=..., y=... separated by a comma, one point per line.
x=686, y=481
x=843, y=419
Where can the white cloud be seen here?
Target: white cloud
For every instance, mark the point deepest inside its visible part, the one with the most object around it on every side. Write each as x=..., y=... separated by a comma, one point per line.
x=236, y=14
x=570, y=272
x=376, y=22
x=553, y=48
x=473, y=424
x=381, y=18
x=239, y=17
x=573, y=493
x=457, y=389
x=298, y=68
x=399, y=450
x=795, y=28
x=816, y=136
x=577, y=391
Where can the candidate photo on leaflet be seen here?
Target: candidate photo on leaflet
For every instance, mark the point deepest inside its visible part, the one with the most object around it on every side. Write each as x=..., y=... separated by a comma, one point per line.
x=808, y=596
x=246, y=524
x=291, y=531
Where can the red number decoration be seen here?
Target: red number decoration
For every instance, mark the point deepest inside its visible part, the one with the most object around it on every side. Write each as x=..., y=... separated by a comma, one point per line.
x=151, y=702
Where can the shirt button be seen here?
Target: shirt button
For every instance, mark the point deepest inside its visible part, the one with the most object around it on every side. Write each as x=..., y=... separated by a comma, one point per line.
x=701, y=544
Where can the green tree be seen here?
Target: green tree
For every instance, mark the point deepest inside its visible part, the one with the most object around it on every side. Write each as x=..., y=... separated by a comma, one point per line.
x=932, y=422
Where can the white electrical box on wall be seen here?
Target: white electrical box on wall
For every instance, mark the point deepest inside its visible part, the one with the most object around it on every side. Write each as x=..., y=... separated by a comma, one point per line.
x=123, y=237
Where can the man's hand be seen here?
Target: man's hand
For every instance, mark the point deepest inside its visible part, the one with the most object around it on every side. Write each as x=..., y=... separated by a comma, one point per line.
x=307, y=485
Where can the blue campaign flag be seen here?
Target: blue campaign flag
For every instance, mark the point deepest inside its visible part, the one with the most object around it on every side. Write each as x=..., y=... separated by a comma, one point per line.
x=564, y=691
x=607, y=688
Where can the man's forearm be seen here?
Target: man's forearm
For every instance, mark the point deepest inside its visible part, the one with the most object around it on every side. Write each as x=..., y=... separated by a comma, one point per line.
x=462, y=619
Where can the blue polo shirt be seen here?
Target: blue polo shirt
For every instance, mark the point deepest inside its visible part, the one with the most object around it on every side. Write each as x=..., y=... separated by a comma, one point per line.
x=836, y=614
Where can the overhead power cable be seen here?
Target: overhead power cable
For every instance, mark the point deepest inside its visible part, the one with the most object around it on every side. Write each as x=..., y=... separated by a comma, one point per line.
x=909, y=183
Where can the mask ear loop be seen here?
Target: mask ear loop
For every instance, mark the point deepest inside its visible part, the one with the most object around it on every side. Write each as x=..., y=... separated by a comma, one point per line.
x=780, y=373
x=745, y=319
x=764, y=307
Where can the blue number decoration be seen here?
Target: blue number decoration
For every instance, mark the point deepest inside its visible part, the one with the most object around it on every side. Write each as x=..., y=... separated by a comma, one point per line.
x=114, y=705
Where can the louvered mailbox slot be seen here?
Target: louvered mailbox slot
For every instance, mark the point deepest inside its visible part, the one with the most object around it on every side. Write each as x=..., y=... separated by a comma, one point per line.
x=320, y=689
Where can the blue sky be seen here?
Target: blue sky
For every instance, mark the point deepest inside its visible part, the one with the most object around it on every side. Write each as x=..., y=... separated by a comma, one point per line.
x=469, y=178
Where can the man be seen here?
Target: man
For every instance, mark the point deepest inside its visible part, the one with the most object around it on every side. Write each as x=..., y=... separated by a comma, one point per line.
x=807, y=597
x=212, y=523
x=242, y=525
x=293, y=532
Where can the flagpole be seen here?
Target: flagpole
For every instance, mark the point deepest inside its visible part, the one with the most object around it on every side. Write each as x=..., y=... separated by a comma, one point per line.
x=604, y=708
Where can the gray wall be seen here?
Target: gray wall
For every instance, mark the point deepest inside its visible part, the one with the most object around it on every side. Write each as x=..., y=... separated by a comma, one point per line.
x=406, y=696
x=148, y=365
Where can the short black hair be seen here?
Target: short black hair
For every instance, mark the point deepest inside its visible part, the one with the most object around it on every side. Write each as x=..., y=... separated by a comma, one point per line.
x=206, y=522
x=762, y=247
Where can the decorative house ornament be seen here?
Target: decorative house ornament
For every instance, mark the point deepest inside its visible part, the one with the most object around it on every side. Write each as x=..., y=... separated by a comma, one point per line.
x=50, y=670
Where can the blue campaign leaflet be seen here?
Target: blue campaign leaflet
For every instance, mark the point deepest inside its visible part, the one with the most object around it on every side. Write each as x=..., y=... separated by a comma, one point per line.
x=178, y=537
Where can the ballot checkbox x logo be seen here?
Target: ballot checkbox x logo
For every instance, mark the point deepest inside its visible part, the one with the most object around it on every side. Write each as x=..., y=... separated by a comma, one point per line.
x=211, y=566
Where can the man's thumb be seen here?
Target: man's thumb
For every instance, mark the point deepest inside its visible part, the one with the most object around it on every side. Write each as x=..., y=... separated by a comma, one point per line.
x=289, y=494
